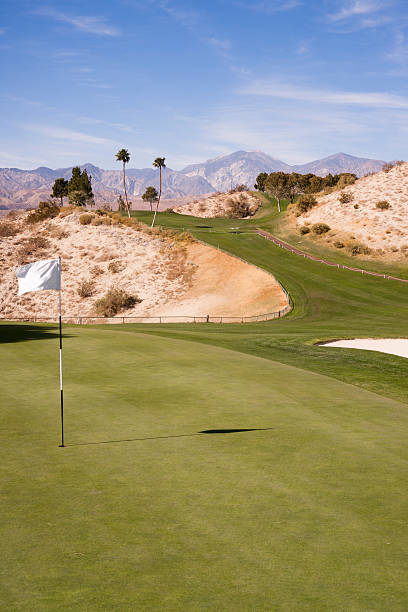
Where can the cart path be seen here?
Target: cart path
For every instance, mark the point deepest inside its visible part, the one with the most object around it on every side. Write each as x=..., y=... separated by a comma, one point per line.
x=289, y=247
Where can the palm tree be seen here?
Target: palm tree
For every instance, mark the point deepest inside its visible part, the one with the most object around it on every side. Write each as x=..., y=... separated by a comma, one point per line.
x=123, y=156
x=158, y=163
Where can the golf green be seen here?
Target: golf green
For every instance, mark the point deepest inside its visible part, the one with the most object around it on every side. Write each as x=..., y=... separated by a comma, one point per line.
x=302, y=510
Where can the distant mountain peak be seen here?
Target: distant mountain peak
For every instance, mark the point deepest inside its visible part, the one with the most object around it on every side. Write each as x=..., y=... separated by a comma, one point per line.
x=23, y=188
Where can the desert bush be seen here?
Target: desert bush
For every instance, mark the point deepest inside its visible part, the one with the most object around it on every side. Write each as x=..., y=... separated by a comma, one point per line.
x=96, y=271
x=390, y=165
x=346, y=197
x=115, y=267
x=239, y=207
x=86, y=218
x=185, y=237
x=58, y=233
x=346, y=178
x=383, y=205
x=66, y=210
x=86, y=288
x=304, y=229
x=7, y=230
x=305, y=203
x=338, y=244
x=115, y=301
x=320, y=228
x=358, y=249
x=98, y=220
x=169, y=210
x=239, y=188
x=31, y=246
x=45, y=210
x=356, y=206
x=12, y=214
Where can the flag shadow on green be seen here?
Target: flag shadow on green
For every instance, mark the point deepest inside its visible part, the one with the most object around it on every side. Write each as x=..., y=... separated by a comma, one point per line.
x=20, y=332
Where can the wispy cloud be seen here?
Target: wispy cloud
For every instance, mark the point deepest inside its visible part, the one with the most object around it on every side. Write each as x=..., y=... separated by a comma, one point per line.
x=59, y=133
x=186, y=17
x=399, y=52
x=269, y=7
x=356, y=8
x=273, y=89
x=92, y=24
x=2, y=31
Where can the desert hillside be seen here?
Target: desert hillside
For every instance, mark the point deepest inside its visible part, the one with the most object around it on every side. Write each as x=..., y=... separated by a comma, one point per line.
x=233, y=203
x=160, y=272
x=376, y=214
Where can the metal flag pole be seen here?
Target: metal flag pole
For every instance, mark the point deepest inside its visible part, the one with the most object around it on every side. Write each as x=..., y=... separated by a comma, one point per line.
x=60, y=354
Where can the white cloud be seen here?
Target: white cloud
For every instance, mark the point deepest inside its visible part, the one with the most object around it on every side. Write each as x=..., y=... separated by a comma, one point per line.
x=85, y=23
x=58, y=133
x=357, y=8
x=292, y=92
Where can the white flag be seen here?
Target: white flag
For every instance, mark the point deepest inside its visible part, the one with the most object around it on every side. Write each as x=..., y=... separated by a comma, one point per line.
x=39, y=275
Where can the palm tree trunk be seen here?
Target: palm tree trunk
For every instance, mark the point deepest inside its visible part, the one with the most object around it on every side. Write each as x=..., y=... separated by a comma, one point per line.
x=158, y=201
x=124, y=188
x=278, y=204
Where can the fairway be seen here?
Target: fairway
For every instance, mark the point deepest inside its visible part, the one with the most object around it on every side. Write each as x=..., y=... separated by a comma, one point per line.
x=142, y=511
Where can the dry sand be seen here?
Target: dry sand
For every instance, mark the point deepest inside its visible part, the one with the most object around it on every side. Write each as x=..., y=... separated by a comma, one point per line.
x=217, y=204
x=226, y=286
x=378, y=229
x=171, y=279
x=393, y=346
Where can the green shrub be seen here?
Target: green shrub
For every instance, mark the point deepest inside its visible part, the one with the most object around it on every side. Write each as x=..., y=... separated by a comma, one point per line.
x=383, y=205
x=346, y=197
x=85, y=219
x=305, y=203
x=304, y=229
x=320, y=228
x=114, y=301
x=86, y=288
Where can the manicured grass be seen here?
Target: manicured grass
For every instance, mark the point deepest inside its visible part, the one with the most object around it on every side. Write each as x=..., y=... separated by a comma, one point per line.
x=328, y=303
x=142, y=512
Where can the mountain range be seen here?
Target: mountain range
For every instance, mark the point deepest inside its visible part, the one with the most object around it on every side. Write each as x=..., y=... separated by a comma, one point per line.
x=25, y=188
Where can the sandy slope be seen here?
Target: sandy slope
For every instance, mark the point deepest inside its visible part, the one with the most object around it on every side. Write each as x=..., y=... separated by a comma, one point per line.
x=226, y=286
x=170, y=278
x=378, y=229
x=217, y=204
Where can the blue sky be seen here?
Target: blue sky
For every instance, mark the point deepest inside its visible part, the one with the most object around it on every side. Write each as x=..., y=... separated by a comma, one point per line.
x=297, y=79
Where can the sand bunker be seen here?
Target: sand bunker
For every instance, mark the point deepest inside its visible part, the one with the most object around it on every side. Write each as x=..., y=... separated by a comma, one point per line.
x=393, y=346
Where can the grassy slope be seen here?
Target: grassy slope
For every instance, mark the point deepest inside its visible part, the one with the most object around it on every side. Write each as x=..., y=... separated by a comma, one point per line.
x=329, y=303
x=306, y=515
x=141, y=511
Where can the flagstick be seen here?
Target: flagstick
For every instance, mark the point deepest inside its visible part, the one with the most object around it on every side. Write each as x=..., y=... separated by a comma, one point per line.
x=60, y=343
